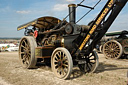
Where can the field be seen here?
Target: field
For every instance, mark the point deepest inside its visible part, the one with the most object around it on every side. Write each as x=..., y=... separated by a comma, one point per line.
x=109, y=72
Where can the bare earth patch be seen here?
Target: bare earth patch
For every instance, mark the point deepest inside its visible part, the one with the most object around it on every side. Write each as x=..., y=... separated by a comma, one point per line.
x=109, y=72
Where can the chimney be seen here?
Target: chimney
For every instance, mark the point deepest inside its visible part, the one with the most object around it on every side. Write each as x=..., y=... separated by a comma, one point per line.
x=72, y=13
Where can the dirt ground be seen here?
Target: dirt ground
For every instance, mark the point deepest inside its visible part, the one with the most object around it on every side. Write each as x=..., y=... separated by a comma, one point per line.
x=109, y=72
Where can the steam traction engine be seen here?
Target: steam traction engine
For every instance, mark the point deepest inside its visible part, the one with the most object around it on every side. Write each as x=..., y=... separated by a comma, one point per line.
x=65, y=44
x=117, y=46
x=114, y=45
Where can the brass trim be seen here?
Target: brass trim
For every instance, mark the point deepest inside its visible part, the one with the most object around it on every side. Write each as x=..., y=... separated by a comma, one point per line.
x=42, y=56
x=72, y=5
x=62, y=42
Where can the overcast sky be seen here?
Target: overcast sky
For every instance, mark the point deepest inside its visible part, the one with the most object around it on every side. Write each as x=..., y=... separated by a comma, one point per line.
x=17, y=12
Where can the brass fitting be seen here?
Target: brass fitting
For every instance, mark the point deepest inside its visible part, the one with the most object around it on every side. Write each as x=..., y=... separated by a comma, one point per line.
x=72, y=5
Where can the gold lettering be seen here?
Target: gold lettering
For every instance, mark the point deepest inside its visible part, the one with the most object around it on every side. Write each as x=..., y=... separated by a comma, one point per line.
x=92, y=30
x=97, y=23
x=110, y=3
x=102, y=16
x=85, y=40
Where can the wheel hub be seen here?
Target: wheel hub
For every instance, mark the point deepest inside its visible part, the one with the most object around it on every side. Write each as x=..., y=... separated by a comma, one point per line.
x=87, y=59
x=25, y=52
x=112, y=50
x=60, y=63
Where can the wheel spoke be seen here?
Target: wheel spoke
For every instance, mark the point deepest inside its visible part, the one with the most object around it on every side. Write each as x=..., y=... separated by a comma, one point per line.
x=23, y=46
x=106, y=49
x=24, y=42
x=29, y=52
x=89, y=56
x=92, y=62
x=23, y=59
x=88, y=68
x=56, y=66
x=22, y=52
x=65, y=60
x=117, y=50
x=65, y=65
x=56, y=58
x=28, y=60
x=26, y=45
x=62, y=70
x=58, y=70
x=65, y=71
x=107, y=45
x=58, y=55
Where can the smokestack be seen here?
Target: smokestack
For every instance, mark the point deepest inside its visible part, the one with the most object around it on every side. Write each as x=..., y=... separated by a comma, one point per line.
x=72, y=13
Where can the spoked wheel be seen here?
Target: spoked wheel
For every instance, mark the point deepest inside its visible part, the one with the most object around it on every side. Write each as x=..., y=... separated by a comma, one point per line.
x=27, y=52
x=91, y=64
x=112, y=49
x=61, y=63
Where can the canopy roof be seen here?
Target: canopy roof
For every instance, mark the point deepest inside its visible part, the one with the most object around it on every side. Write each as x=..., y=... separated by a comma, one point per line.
x=116, y=33
x=41, y=23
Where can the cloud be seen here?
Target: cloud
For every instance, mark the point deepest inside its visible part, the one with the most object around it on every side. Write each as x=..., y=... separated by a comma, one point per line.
x=5, y=9
x=23, y=12
x=60, y=7
x=70, y=0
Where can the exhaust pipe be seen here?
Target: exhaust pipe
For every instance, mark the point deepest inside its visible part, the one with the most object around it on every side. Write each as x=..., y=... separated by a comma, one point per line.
x=72, y=13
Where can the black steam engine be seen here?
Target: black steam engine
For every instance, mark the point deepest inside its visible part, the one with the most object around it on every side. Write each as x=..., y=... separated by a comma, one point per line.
x=65, y=44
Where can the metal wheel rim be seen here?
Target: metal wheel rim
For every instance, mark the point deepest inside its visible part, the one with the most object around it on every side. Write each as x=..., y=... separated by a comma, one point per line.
x=101, y=48
x=112, y=49
x=25, y=52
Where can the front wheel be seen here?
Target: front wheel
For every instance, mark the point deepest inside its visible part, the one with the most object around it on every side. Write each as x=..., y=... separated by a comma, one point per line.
x=61, y=63
x=91, y=64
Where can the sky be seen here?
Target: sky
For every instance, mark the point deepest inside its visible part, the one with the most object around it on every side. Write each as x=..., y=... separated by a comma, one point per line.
x=14, y=13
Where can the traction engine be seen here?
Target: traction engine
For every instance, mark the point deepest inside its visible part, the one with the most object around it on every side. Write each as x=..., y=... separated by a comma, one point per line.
x=66, y=44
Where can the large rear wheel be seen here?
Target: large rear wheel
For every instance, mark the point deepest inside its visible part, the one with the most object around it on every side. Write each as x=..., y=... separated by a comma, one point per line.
x=61, y=63
x=27, y=52
x=112, y=49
